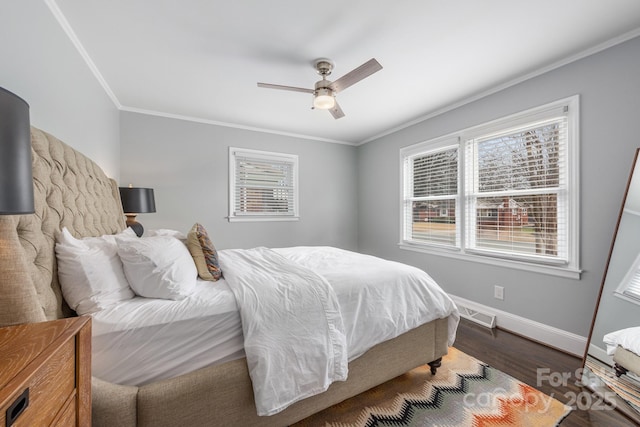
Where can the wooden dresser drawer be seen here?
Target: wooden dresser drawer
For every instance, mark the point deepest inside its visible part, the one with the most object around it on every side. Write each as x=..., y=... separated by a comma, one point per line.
x=49, y=388
x=44, y=376
x=68, y=415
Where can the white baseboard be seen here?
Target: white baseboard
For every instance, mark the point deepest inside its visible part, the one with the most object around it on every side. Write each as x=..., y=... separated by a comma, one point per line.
x=548, y=335
x=600, y=354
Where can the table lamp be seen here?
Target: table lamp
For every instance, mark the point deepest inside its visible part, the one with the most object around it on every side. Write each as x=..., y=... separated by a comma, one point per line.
x=136, y=200
x=19, y=299
x=16, y=182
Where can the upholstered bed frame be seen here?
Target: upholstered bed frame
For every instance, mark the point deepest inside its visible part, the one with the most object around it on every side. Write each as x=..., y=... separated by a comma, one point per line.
x=72, y=191
x=626, y=361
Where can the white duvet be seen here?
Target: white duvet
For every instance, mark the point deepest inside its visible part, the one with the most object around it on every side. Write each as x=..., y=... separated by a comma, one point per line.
x=379, y=299
x=628, y=339
x=369, y=300
x=293, y=333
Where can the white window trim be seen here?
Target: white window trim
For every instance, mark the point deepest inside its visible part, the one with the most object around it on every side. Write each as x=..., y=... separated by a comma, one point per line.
x=620, y=292
x=572, y=269
x=635, y=267
x=268, y=155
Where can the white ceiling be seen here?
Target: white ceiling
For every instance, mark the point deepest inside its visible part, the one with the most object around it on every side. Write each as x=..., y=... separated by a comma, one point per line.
x=201, y=59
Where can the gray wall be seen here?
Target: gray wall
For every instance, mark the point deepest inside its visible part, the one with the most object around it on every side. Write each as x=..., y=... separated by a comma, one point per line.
x=187, y=165
x=609, y=86
x=40, y=64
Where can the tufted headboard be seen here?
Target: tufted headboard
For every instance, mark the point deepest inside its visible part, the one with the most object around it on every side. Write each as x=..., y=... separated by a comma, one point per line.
x=70, y=191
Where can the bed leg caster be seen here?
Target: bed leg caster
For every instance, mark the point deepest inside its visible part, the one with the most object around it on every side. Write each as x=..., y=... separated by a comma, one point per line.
x=435, y=365
x=620, y=370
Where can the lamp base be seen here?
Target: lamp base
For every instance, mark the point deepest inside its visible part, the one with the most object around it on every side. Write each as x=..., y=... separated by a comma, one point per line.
x=134, y=225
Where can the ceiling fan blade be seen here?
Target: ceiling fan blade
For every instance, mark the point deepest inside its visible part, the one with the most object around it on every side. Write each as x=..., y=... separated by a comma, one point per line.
x=336, y=111
x=281, y=87
x=355, y=75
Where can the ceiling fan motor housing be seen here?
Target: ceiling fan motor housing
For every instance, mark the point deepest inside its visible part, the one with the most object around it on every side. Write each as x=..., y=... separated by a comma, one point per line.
x=323, y=84
x=324, y=96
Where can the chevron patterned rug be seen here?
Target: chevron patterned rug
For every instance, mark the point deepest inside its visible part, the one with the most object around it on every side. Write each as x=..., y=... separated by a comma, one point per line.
x=464, y=392
x=626, y=386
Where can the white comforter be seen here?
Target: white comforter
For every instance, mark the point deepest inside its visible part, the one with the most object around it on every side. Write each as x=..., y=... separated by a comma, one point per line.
x=379, y=299
x=293, y=333
x=293, y=324
x=628, y=339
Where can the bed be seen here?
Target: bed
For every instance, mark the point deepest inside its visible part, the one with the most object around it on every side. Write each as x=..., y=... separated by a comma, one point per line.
x=624, y=346
x=72, y=193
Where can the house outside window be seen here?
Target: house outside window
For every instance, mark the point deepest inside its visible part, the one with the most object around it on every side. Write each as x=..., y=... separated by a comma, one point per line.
x=263, y=186
x=505, y=192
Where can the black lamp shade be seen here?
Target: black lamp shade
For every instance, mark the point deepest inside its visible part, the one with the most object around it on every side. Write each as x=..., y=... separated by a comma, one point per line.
x=137, y=200
x=16, y=178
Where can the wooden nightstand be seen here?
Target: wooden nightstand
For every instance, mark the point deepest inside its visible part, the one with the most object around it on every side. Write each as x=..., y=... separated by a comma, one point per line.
x=45, y=373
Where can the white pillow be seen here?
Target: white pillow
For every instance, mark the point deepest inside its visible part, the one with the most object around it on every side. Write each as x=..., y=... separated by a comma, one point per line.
x=166, y=232
x=158, y=267
x=90, y=271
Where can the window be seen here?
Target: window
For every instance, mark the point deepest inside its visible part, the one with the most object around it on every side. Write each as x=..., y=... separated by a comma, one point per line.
x=263, y=186
x=630, y=285
x=505, y=192
x=431, y=200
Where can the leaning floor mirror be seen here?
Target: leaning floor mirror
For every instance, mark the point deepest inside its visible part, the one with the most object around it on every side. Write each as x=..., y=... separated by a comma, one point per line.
x=612, y=358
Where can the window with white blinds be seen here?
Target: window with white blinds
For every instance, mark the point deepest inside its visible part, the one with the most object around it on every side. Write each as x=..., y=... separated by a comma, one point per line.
x=263, y=185
x=431, y=197
x=516, y=191
x=630, y=285
x=505, y=190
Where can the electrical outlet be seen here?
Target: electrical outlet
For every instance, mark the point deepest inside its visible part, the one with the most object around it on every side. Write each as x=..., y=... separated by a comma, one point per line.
x=498, y=292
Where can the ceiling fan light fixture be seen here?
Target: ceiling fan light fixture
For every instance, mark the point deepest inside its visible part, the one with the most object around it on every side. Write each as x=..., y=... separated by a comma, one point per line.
x=323, y=99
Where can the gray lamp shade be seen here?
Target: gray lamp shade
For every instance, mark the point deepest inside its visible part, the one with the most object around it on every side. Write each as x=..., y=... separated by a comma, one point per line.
x=16, y=178
x=134, y=201
x=137, y=200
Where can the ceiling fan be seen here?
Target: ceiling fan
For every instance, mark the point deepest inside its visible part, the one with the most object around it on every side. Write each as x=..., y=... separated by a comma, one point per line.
x=324, y=94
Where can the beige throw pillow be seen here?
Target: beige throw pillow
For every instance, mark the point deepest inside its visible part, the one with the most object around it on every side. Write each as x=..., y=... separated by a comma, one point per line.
x=204, y=253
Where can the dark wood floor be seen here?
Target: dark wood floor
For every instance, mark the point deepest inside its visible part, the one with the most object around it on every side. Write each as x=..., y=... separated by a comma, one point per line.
x=540, y=367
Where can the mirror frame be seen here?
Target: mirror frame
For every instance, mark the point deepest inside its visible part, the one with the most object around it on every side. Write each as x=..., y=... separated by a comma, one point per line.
x=617, y=402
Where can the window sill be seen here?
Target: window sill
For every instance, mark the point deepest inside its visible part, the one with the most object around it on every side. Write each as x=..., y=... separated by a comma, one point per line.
x=262, y=218
x=626, y=298
x=565, y=272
